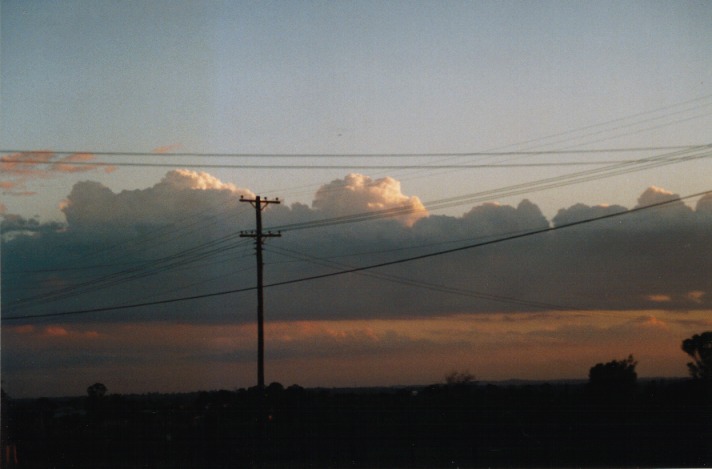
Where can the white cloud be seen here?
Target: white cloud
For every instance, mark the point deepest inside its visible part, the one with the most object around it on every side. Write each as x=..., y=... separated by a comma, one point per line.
x=357, y=193
x=180, y=198
x=181, y=179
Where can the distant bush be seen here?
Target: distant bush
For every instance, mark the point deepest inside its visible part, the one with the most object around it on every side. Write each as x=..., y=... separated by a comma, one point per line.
x=96, y=390
x=614, y=374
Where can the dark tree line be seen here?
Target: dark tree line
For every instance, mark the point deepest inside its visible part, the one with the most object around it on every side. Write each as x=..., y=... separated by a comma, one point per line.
x=613, y=420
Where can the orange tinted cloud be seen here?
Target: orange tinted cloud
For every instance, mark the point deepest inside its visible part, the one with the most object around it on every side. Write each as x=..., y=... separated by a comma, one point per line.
x=696, y=296
x=56, y=331
x=24, y=329
x=25, y=163
x=79, y=157
x=167, y=148
x=68, y=332
x=652, y=322
x=8, y=184
x=19, y=168
x=659, y=298
x=77, y=163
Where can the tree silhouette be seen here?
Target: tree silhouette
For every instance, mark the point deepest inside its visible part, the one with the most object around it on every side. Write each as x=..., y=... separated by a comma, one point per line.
x=699, y=347
x=614, y=374
x=96, y=390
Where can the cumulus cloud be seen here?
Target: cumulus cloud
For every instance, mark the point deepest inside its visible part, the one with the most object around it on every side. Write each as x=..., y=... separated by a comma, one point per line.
x=180, y=238
x=579, y=212
x=182, y=179
x=668, y=214
x=655, y=195
x=178, y=198
x=357, y=194
x=494, y=218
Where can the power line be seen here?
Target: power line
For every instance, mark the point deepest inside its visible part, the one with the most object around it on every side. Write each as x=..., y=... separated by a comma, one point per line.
x=368, y=267
x=576, y=133
x=357, y=165
x=689, y=105
x=326, y=155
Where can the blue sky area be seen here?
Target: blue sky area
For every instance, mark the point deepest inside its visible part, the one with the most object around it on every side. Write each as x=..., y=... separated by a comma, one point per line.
x=357, y=77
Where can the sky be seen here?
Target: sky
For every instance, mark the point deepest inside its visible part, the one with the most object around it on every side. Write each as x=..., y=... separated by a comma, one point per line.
x=445, y=139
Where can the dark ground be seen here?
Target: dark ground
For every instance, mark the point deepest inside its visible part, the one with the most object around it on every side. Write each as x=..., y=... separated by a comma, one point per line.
x=652, y=424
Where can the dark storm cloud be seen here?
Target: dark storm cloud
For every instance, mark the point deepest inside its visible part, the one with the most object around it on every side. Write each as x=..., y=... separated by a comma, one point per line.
x=180, y=238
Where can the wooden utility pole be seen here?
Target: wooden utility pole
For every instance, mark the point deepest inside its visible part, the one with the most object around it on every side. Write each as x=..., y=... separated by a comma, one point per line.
x=259, y=204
